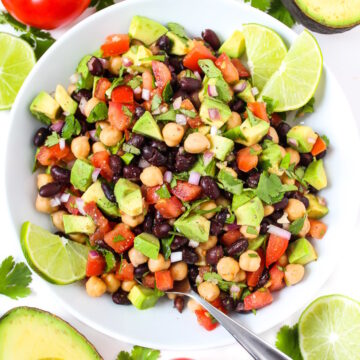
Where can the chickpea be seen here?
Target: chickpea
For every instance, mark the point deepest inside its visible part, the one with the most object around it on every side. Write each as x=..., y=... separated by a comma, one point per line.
x=249, y=260
x=98, y=147
x=233, y=121
x=283, y=261
x=268, y=210
x=136, y=257
x=43, y=179
x=110, y=136
x=152, y=176
x=209, y=244
x=208, y=205
x=248, y=234
x=295, y=209
x=159, y=264
x=95, y=287
x=115, y=64
x=305, y=229
x=196, y=143
x=43, y=205
x=208, y=291
x=282, y=150
x=240, y=276
x=294, y=155
x=230, y=171
x=287, y=180
x=221, y=201
x=228, y=268
x=132, y=221
x=173, y=134
x=78, y=237
x=71, y=88
x=112, y=283
x=127, y=285
x=202, y=256
x=171, y=296
x=80, y=147
x=90, y=105
x=273, y=134
x=193, y=305
x=57, y=219
x=294, y=273
x=102, y=124
x=179, y=271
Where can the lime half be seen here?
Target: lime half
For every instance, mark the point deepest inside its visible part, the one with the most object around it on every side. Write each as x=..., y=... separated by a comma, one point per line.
x=295, y=82
x=265, y=50
x=58, y=260
x=329, y=329
x=17, y=58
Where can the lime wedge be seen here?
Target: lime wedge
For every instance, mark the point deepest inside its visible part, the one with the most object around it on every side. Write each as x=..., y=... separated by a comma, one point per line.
x=265, y=51
x=329, y=329
x=58, y=260
x=295, y=82
x=17, y=58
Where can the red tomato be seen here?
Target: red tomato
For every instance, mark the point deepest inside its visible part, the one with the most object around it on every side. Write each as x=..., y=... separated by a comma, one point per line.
x=169, y=208
x=117, y=116
x=99, y=219
x=151, y=197
x=95, y=265
x=230, y=237
x=241, y=69
x=149, y=281
x=45, y=14
x=252, y=278
x=102, y=85
x=101, y=160
x=258, y=109
x=186, y=191
x=116, y=44
x=318, y=147
x=125, y=271
x=120, y=238
x=195, y=122
x=123, y=94
x=51, y=155
x=163, y=280
x=162, y=74
x=275, y=248
x=206, y=320
x=247, y=159
x=217, y=303
x=199, y=51
x=227, y=68
x=71, y=205
x=147, y=79
x=276, y=278
x=275, y=119
x=258, y=299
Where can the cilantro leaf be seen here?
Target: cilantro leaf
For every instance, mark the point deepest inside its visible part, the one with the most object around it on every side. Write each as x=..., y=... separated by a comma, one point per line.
x=141, y=353
x=101, y=4
x=99, y=112
x=209, y=68
x=223, y=285
x=109, y=258
x=163, y=192
x=135, y=82
x=52, y=139
x=260, y=4
x=155, y=103
x=123, y=355
x=326, y=140
x=296, y=226
x=280, y=12
x=116, y=82
x=14, y=279
x=118, y=238
x=202, y=212
x=270, y=104
x=189, y=113
x=287, y=341
x=71, y=127
x=308, y=108
x=178, y=30
x=285, y=162
x=154, y=57
x=230, y=183
x=167, y=92
x=168, y=116
x=252, y=118
x=165, y=246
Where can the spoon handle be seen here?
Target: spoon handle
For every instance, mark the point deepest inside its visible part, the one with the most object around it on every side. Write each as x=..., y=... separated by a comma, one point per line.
x=254, y=345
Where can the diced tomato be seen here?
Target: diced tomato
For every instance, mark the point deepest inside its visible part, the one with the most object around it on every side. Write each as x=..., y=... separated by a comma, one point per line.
x=122, y=94
x=149, y=281
x=95, y=265
x=162, y=74
x=276, y=120
x=102, y=86
x=198, y=52
x=252, y=278
x=71, y=205
x=101, y=160
x=125, y=271
x=116, y=44
x=121, y=238
x=206, y=320
x=195, y=122
x=169, y=208
x=217, y=303
x=186, y=191
x=258, y=109
x=150, y=194
x=52, y=155
x=247, y=158
x=258, y=299
x=276, y=247
x=318, y=147
x=231, y=236
x=163, y=280
x=276, y=278
x=241, y=69
x=117, y=116
x=227, y=68
x=99, y=219
x=147, y=79
x=187, y=105
x=317, y=229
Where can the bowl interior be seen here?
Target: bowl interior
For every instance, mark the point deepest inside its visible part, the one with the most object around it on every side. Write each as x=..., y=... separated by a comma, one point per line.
x=162, y=326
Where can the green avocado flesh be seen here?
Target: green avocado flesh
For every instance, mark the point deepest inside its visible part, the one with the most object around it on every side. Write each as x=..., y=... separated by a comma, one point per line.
x=32, y=334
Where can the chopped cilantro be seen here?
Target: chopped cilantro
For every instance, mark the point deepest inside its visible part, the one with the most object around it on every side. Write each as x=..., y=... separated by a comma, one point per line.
x=101, y=4
x=270, y=104
x=118, y=238
x=202, y=212
x=72, y=127
x=296, y=226
x=154, y=57
x=188, y=113
x=167, y=92
x=326, y=140
x=251, y=230
x=281, y=13
x=230, y=183
x=139, y=353
x=307, y=108
x=165, y=246
x=109, y=258
x=253, y=255
x=52, y=139
x=163, y=192
x=155, y=103
x=252, y=118
x=99, y=112
x=223, y=285
x=287, y=341
x=131, y=149
x=135, y=82
x=168, y=116
x=285, y=162
x=126, y=111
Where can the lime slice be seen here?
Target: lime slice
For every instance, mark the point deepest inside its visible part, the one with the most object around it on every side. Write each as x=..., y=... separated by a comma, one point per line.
x=58, y=260
x=329, y=329
x=265, y=50
x=17, y=58
x=295, y=82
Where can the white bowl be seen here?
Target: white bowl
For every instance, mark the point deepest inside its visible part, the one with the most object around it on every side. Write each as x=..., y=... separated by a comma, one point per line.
x=163, y=327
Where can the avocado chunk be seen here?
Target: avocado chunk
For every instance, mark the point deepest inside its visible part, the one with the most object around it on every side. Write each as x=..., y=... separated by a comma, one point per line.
x=145, y=29
x=220, y=146
x=95, y=193
x=315, y=209
x=78, y=224
x=81, y=174
x=223, y=89
x=302, y=138
x=243, y=198
x=246, y=94
x=252, y=134
x=254, y=244
x=234, y=46
x=143, y=298
x=180, y=46
x=147, y=126
x=148, y=245
x=270, y=158
x=129, y=198
x=137, y=54
x=315, y=175
x=211, y=103
x=194, y=227
x=202, y=169
x=251, y=213
x=65, y=101
x=301, y=252
x=45, y=108
x=86, y=81
x=30, y=333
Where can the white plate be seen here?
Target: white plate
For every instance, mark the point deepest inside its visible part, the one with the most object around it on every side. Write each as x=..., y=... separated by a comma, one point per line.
x=163, y=327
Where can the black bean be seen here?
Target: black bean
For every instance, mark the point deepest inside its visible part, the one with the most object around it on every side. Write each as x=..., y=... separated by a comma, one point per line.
x=40, y=136
x=210, y=188
x=60, y=233
x=164, y=43
x=104, y=245
x=215, y=227
x=282, y=130
x=193, y=272
x=321, y=155
x=264, y=278
x=158, y=219
x=115, y=164
x=153, y=156
x=240, y=307
x=298, y=196
x=238, y=106
x=276, y=215
x=95, y=66
x=132, y=172
x=171, y=159
x=159, y=145
x=181, y=93
x=176, y=63
x=139, y=112
x=148, y=223
x=238, y=247
x=85, y=126
x=211, y=38
x=50, y=189
x=136, y=140
x=189, y=256
x=178, y=243
x=281, y=204
x=312, y=190
x=174, y=80
x=227, y=195
x=120, y=297
x=109, y=193
x=179, y=303
x=190, y=85
x=140, y=270
x=214, y=254
x=264, y=225
x=306, y=159
x=60, y=174
x=162, y=230
x=253, y=180
x=227, y=302
x=137, y=230
x=82, y=93
x=194, y=97
x=221, y=216
x=184, y=161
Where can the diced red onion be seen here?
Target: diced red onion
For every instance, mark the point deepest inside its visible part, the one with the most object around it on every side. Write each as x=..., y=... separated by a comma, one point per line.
x=197, y=75
x=180, y=119
x=311, y=140
x=55, y=201
x=193, y=243
x=176, y=256
x=234, y=289
x=104, y=63
x=138, y=90
x=279, y=232
x=164, y=108
x=293, y=142
x=212, y=90
x=240, y=87
x=194, y=178
x=145, y=94
x=143, y=163
x=64, y=197
x=208, y=155
x=168, y=176
x=177, y=103
x=126, y=61
x=156, y=112
x=93, y=254
x=74, y=78
x=95, y=174
x=82, y=105
x=254, y=91
x=213, y=130
x=57, y=127
x=214, y=114
x=230, y=227
x=92, y=135
x=80, y=205
x=62, y=144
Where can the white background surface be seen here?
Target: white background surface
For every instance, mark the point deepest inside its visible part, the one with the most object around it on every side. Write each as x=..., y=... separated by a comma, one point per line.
x=342, y=55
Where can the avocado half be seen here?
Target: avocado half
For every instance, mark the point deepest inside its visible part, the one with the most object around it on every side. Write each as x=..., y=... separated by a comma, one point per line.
x=30, y=333
x=325, y=16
